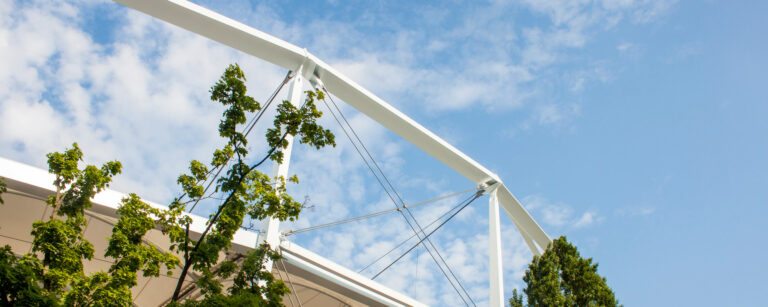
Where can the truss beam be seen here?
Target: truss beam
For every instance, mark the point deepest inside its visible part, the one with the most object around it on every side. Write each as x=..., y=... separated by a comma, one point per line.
x=237, y=35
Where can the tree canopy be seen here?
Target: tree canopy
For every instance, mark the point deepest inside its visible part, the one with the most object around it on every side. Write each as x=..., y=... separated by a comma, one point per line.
x=561, y=277
x=53, y=273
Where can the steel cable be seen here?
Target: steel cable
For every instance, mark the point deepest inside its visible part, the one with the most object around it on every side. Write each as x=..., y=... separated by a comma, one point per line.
x=413, y=235
x=437, y=262
x=247, y=131
x=427, y=236
x=370, y=215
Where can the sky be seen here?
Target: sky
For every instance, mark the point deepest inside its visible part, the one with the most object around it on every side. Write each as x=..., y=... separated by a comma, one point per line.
x=636, y=128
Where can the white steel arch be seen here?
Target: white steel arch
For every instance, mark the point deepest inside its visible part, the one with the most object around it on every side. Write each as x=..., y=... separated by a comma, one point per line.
x=237, y=35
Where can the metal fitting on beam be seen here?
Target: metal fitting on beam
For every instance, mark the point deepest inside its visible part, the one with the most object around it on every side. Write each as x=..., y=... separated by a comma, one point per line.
x=316, y=83
x=489, y=186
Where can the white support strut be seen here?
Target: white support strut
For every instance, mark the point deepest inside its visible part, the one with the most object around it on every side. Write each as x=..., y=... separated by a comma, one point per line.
x=239, y=36
x=494, y=252
x=270, y=227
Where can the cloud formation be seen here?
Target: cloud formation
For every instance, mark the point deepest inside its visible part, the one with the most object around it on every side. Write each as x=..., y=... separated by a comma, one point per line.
x=558, y=214
x=134, y=89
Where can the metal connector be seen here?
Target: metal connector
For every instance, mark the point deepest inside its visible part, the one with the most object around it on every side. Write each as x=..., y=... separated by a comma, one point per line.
x=489, y=186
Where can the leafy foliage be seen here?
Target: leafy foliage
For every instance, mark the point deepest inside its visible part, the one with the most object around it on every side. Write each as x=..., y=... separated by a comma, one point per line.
x=61, y=243
x=516, y=300
x=3, y=189
x=561, y=277
x=53, y=273
x=19, y=283
x=248, y=191
x=254, y=285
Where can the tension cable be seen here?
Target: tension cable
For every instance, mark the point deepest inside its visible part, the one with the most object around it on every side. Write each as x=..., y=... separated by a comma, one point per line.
x=247, y=130
x=421, y=230
x=375, y=175
x=375, y=214
x=429, y=234
x=413, y=235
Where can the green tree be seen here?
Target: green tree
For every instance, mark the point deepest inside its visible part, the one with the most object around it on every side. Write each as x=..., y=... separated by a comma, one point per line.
x=3, y=188
x=248, y=192
x=561, y=277
x=53, y=273
x=19, y=283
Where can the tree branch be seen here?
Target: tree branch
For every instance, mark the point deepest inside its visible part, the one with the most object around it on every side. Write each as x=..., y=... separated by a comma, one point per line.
x=187, y=257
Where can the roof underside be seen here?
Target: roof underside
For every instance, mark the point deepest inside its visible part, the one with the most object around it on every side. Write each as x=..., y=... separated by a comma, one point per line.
x=316, y=280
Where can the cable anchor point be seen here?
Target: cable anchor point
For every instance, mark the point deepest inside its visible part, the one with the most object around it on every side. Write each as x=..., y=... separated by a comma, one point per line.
x=489, y=186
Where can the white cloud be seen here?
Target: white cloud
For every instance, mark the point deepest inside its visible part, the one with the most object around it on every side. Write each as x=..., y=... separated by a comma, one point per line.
x=635, y=211
x=550, y=114
x=142, y=99
x=587, y=219
x=624, y=47
x=558, y=214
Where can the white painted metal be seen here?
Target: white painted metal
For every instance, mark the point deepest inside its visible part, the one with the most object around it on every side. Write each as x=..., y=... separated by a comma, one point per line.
x=494, y=252
x=532, y=233
x=311, y=262
x=270, y=232
x=269, y=48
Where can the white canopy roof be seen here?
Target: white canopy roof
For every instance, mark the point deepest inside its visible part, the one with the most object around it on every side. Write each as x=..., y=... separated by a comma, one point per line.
x=318, y=281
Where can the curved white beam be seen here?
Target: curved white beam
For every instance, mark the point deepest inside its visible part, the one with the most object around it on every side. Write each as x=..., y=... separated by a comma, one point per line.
x=529, y=229
x=237, y=35
x=222, y=29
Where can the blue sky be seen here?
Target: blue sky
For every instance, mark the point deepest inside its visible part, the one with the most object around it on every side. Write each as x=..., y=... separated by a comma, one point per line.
x=636, y=128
